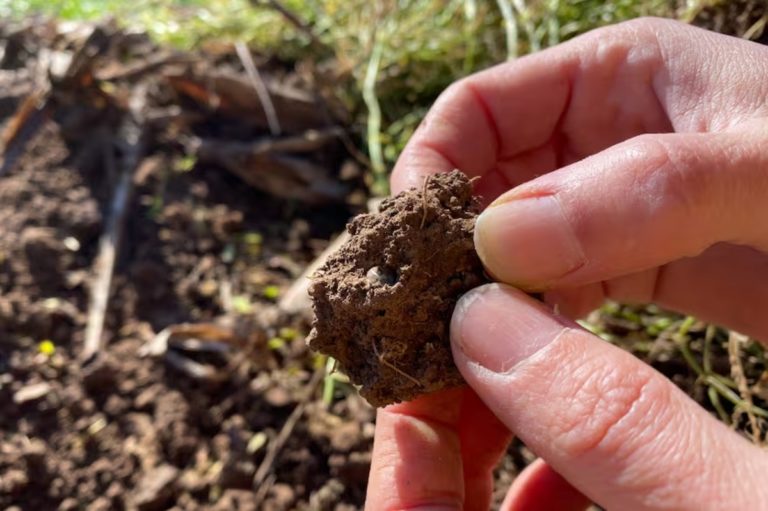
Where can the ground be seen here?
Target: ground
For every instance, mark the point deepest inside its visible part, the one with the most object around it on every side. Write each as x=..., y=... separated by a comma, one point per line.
x=120, y=429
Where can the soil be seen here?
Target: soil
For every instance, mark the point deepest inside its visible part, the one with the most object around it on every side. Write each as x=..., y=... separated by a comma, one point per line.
x=383, y=302
x=132, y=432
x=186, y=428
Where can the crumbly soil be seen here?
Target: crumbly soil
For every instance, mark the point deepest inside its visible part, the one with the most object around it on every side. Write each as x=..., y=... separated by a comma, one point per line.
x=131, y=432
x=383, y=302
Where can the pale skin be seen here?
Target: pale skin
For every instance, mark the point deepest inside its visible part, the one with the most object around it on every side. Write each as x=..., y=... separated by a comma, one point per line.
x=632, y=164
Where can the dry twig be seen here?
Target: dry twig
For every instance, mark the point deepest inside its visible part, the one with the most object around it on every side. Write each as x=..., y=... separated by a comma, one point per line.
x=21, y=128
x=132, y=132
x=737, y=373
x=244, y=54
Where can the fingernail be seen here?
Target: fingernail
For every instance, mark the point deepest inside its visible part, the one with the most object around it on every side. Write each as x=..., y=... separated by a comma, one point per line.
x=434, y=507
x=528, y=242
x=498, y=326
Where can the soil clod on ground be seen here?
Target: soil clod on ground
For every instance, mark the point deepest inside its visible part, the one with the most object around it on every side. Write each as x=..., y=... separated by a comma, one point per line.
x=383, y=302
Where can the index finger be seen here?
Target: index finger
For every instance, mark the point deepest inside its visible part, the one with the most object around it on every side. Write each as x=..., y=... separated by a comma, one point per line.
x=525, y=118
x=478, y=121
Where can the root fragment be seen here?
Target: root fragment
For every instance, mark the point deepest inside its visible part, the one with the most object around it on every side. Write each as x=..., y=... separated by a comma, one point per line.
x=399, y=371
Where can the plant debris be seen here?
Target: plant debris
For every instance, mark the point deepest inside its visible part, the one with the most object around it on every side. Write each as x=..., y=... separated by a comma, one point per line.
x=383, y=302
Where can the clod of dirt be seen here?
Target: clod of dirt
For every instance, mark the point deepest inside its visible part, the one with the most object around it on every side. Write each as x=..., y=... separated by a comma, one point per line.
x=155, y=489
x=383, y=302
x=43, y=253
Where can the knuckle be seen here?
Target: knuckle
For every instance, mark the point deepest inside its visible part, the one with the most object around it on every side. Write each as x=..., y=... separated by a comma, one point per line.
x=635, y=30
x=645, y=35
x=649, y=24
x=609, y=407
x=649, y=28
x=633, y=46
x=652, y=155
x=670, y=176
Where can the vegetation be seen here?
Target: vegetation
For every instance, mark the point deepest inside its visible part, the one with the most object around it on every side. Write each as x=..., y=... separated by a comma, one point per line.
x=392, y=58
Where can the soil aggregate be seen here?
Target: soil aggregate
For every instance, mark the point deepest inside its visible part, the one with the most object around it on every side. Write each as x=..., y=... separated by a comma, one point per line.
x=383, y=302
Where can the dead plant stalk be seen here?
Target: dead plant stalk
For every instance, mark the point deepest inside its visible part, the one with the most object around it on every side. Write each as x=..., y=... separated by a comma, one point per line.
x=131, y=135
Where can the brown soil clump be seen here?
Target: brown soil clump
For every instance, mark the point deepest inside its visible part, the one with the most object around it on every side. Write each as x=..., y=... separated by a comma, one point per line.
x=383, y=302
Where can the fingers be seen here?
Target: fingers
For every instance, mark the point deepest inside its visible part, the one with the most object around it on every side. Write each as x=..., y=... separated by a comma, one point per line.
x=414, y=439
x=719, y=286
x=484, y=440
x=540, y=488
x=637, y=205
x=614, y=428
x=524, y=118
x=528, y=117
x=471, y=126
x=436, y=452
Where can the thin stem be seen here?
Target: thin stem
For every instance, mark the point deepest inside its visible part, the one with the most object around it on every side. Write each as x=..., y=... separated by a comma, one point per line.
x=553, y=23
x=714, y=398
x=707, y=356
x=681, y=340
x=244, y=54
x=380, y=185
x=734, y=398
x=510, y=28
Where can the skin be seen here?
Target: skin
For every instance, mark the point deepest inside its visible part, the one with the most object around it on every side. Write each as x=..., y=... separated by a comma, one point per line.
x=630, y=163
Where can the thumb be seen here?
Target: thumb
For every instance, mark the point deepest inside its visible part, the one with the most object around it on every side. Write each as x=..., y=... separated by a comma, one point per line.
x=636, y=205
x=615, y=429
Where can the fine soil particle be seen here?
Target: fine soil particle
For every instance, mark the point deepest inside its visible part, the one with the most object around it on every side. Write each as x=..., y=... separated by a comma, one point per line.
x=383, y=302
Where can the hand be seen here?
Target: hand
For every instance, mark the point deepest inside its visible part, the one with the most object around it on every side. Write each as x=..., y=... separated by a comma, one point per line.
x=630, y=163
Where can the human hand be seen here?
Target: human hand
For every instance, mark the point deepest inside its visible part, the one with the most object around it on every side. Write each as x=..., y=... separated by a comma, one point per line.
x=630, y=163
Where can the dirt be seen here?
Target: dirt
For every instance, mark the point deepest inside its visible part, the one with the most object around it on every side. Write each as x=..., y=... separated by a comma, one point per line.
x=200, y=247
x=742, y=18
x=132, y=432
x=383, y=302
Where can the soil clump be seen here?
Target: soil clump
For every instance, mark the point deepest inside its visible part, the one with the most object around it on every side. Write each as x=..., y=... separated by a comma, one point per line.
x=383, y=302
